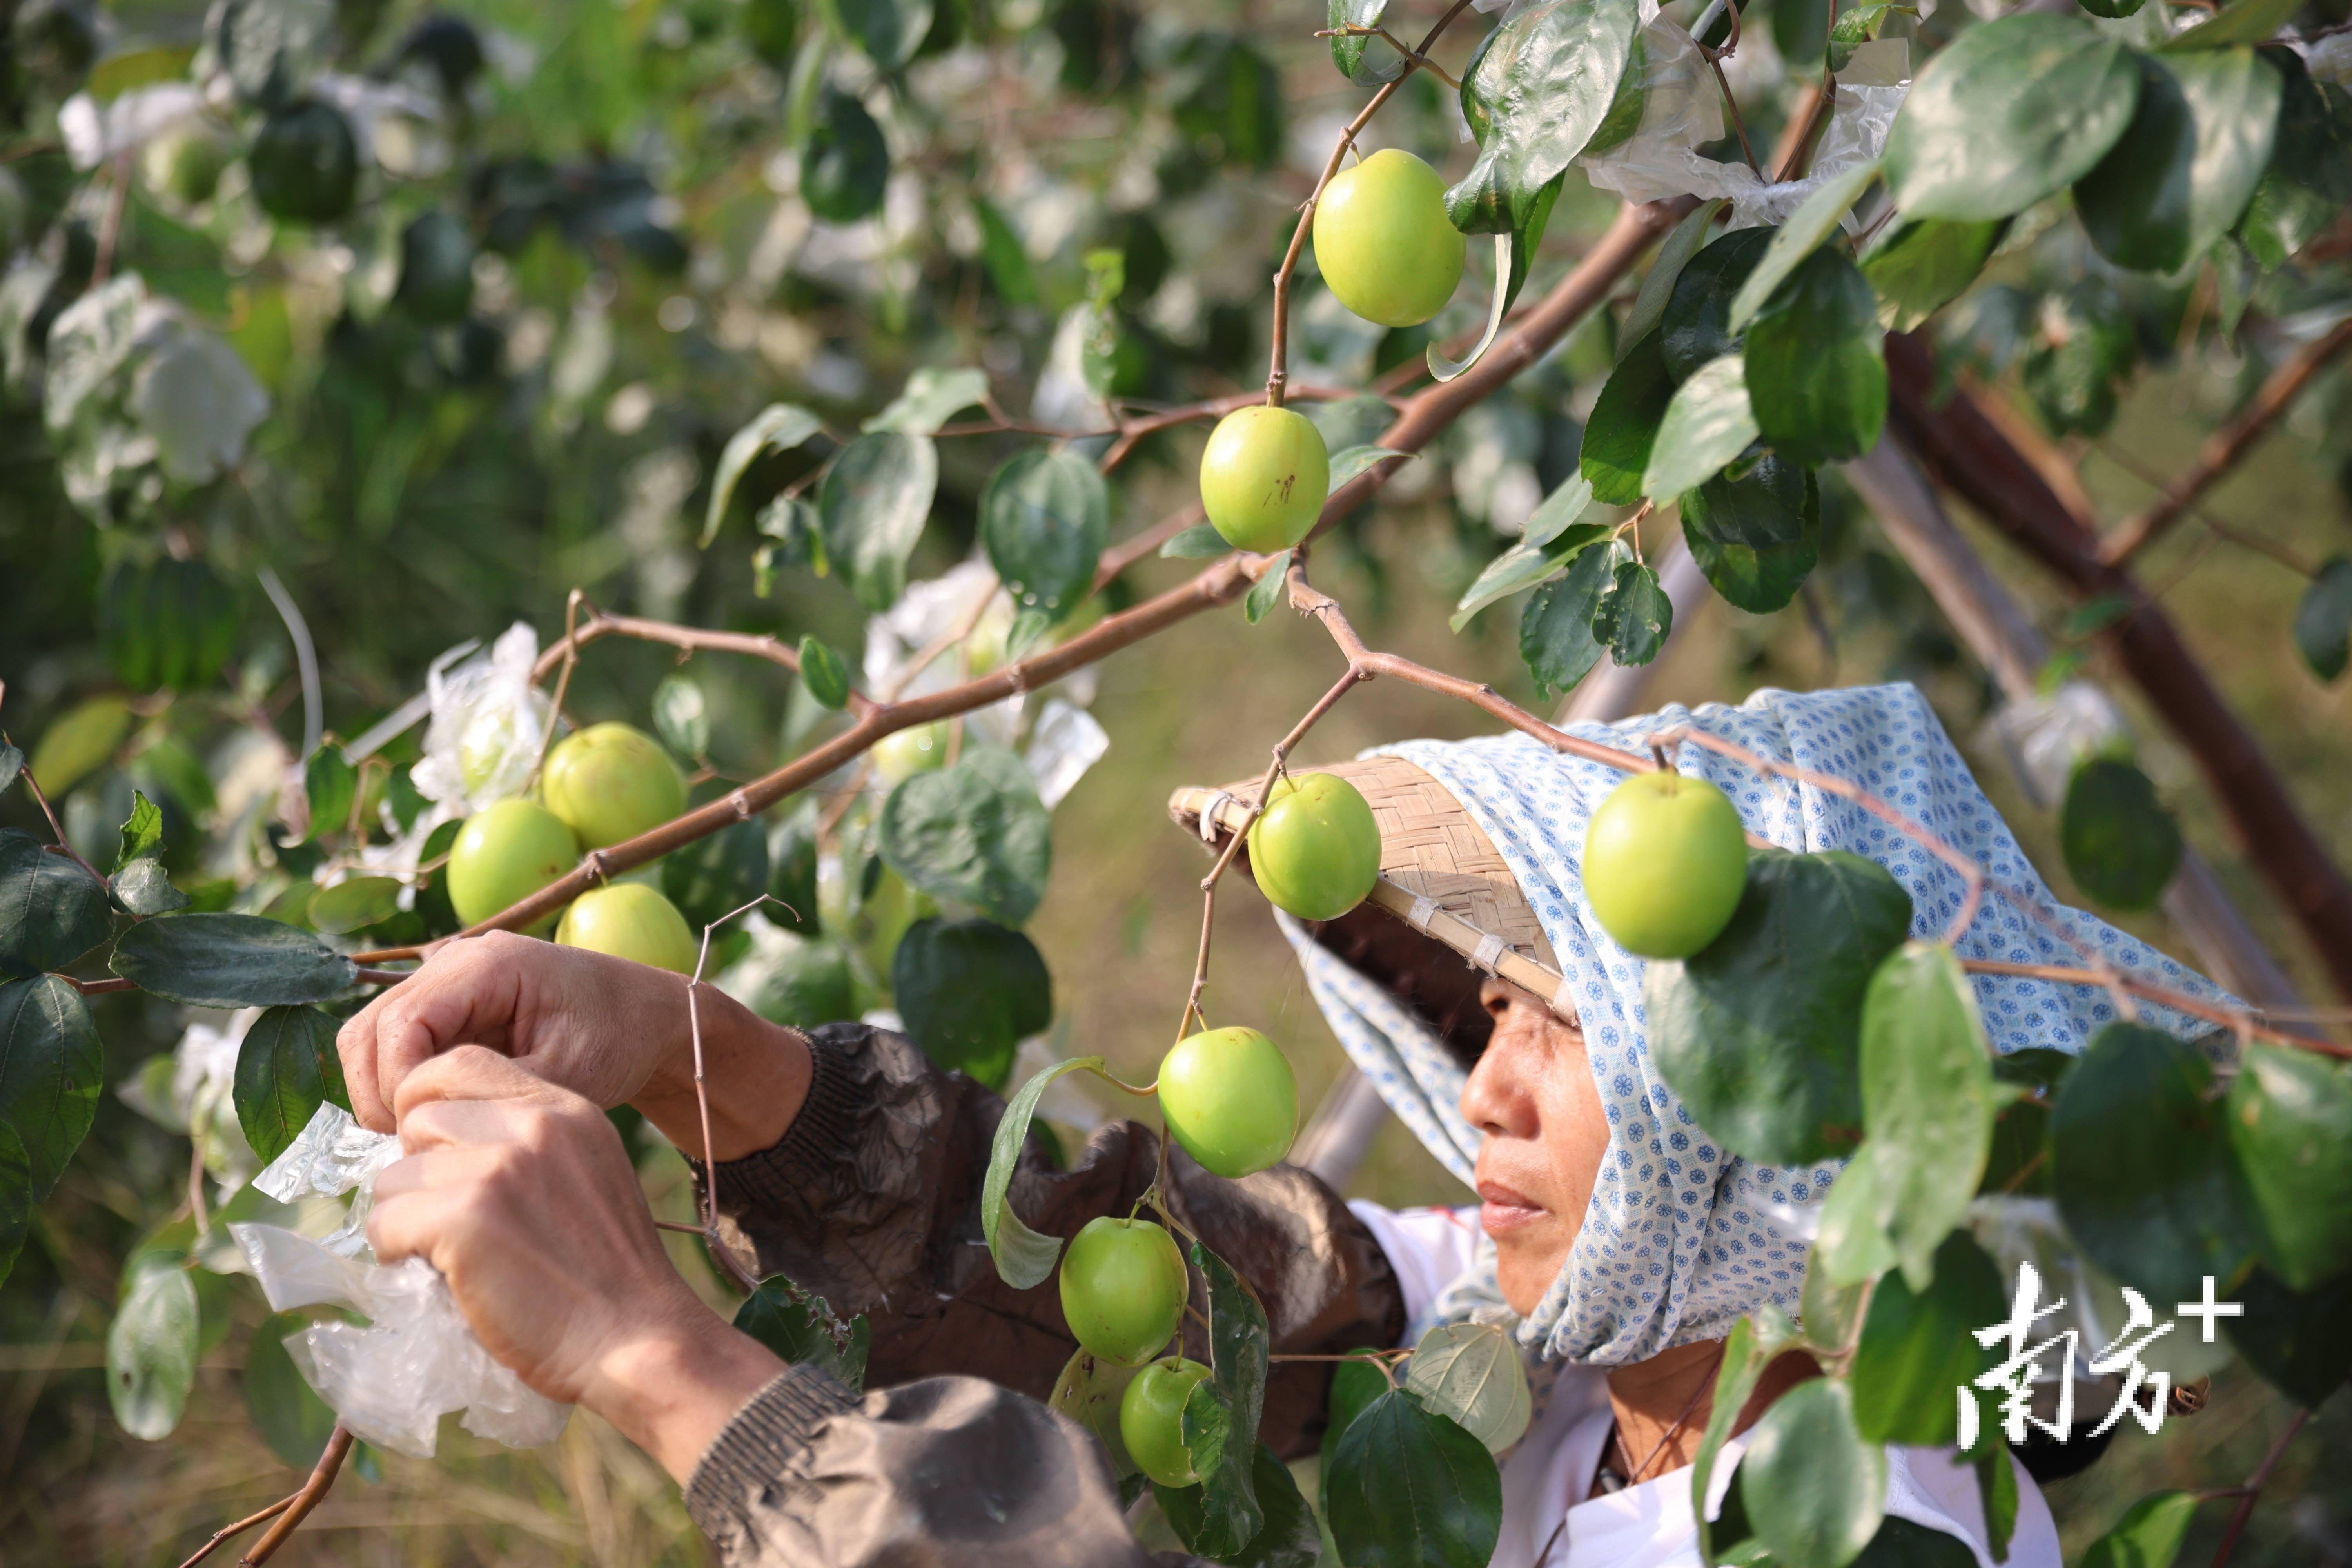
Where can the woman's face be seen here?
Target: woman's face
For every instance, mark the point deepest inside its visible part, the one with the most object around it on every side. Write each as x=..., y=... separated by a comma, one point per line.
x=1532, y=1095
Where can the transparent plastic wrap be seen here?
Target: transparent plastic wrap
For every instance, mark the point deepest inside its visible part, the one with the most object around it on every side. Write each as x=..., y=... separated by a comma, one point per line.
x=415, y=1360
x=2046, y=736
x=488, y=721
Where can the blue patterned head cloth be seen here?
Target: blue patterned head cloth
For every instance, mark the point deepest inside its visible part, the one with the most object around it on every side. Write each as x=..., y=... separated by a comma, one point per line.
x=1683, y=1237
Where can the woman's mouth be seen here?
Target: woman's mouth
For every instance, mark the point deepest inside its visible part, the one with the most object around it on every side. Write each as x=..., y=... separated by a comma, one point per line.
x=1503, y=1209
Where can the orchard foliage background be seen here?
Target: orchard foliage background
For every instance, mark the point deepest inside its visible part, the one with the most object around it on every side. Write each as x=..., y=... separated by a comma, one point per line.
x=397, y=326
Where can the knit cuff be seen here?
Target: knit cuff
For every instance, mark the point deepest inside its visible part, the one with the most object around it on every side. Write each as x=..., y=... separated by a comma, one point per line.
x=815, y=1144
x=765, y=1442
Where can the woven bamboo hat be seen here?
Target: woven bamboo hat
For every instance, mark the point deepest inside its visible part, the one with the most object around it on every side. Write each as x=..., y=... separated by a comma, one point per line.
x=1441, y=876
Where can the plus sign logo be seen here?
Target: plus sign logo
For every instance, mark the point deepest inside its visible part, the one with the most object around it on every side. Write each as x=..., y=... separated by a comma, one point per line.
x=2013, y=1377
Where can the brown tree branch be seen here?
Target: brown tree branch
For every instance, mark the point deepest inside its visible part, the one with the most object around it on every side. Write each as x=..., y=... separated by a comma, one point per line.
x=1968, y=455
x=299, y=1506
x=2227, y=446
x=597, y=624
x=2251, y=1492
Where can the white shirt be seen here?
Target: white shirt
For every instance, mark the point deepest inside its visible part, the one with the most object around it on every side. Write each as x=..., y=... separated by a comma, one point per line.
x=1548, y=1476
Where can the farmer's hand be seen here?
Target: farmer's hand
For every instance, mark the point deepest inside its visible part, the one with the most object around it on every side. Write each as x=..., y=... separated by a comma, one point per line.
x=520, y=1193
x=603, y=1027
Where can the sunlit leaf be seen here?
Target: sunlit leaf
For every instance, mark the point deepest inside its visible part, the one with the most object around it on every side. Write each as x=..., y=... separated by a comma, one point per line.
x=778, y=428
x=230, y=961
x=1472, y=1374
x=1814, y=1488
x=873, y=505
x=975, y=834
x=1707, y=424
x=1024, y=1258
x=2290, y=1124
x=1044, y=518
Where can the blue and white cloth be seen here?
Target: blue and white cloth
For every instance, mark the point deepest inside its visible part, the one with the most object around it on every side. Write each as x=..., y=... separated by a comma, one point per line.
x=1683, y=1237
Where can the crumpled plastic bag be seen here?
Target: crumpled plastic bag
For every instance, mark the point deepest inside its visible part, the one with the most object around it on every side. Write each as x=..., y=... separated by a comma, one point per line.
x=2045, y=736
x=1683, y=112
x=488, y=721
x=416, y=1359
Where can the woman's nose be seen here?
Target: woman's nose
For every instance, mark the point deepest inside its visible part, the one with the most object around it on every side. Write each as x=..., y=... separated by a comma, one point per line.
x=1499, y=1098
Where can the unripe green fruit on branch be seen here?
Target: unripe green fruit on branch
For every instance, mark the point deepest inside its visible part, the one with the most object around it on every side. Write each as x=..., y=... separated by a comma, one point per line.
x=1152, y=1420
x=610, y=783
x=901, y=755
x=1123, y=1289
x=504, y=855
x=631, y=921
x=1230, y=1100
x=1665, y=861
x=1315, y=851
x=1263, y=478
x=1382, y=240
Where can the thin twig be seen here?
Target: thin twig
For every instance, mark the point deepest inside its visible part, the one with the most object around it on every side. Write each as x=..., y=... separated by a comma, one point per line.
x=1715, y=58
x=297, y=1507
x=601, y=624
x=570, y=646
x=2226, y=447
x=2253, y=1488
x=65, y=846
x=2245, y=539
x=110, y=228
x=702, y=1098
x=228, y=1530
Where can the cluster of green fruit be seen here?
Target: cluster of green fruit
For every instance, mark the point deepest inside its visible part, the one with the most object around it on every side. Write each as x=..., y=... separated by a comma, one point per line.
x=1389, y=253
x=606, y=784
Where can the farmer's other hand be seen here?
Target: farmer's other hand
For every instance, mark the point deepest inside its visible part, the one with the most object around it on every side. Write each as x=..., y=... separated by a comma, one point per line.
x=520, y=1193
x=603, y=1027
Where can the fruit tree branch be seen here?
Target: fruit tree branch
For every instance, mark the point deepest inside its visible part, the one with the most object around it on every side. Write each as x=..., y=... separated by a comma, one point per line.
x=299, y=1506
x=2226, y=446
x=1968, y=455
x=2251, y=1493
x=597, y=624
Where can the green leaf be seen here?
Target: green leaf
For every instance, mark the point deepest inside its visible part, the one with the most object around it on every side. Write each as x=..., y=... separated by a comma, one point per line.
x=1707, y=424
x=143, y=834
x=1288, y=1538
x=970, y=992
x=1918, y=1344
x=150, y=1354
x=12, y=763
x=230, y=961
x=1354, y=1385
x=2085, y=344
x=51, y=1073
x=1266, y=591
x=170, y=626
x=801, y=1328
x=1697, y=327
x=1558, y=641
x=2247, y=22
x=15, y=1198
x=1858, y=26
x=1658, y=284
x=795, y=536
x=2296, y=1339
x=1921, y=265
x=80, y=742
x=823, y=673
x=331, y=783
x=1022, y=1257
x=51, y=910
x=713, y=877
x=1636, y=616
x=1757, y=537
x=1997, y=1495
x=1523, y=565
x=1534, y=93
x=2011, y=111
x=682, y=716
x=778, y=428
x=1815, y=1490
x=2290, y=1121
x=1801, y=27
x=1472, y=1374
x=976, y=832
x=1409, y=1488
x=2310, y=174
x=931, y=397
x=1362, y=58
x=2183, y=173
x=845, y=162
x=1927, y=1096
x=1199, y=542
x=292, y=1418
x=286, y=1068
x=1853, y=1246
x=1795, y=241
x=1624, y=429
x=1748, y=1349
x=890, y=31
x=1760, y=1033
x=791, y=874
x=2149, y=1535
x=2121, y=844
x=2322, y=621
x=1816, y=364
x=2140, y=1164
x=1900, y=1543
x=1006, y=259
x=1088, y=1392
x=270, y=48
x=872, y=507
x=1351, y=461
x=1044, y=518
x=1221, y=1417
x=353, y=904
